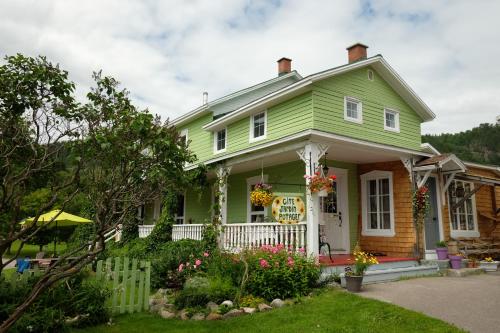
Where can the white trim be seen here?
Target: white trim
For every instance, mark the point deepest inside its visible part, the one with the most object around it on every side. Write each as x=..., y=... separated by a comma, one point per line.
x=200, y=110
x=252, y=181
x=377, y=61
x=251, y=137
x=375, y=175
x=359, y=118
x=320, y=134
x=464, y=233
x=215, y=141
x=427, y=146
x=368, y=72
x=396, y=120
x=482, y=166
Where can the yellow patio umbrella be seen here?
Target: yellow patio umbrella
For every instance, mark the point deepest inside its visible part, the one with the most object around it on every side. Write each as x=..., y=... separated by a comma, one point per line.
x=56, y=218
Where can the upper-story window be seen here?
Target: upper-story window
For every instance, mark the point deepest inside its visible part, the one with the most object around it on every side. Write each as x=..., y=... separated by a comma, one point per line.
x=183, y=136
x=258, y=126
x=220, y=141
x=391, y=120
x=353, y=109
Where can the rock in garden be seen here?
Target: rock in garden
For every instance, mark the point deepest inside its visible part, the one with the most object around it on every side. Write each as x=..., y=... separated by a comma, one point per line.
x=198, y=316
x=227, y=303
x=183, y=315
x=212, y=307
x=277, y=303
x=162, y=291
x=249, y=310
x=155, y=308
x=264, y=307
x=169, y=307
x=214, y=316
x=156, y=301
x=234, y=313
x=165, y=314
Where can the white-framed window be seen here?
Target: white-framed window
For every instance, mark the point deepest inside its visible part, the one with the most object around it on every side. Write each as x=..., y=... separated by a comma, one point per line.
x=463, y=218
x=391, y=120
x=220, y=141
x=258, y=126
x=255, y=214
x=377, y=203
x=183, y=136
x=353, y=109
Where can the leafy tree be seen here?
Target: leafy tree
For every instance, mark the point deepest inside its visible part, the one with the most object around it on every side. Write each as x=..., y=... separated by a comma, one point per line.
x=480, y=144
x=121, y=157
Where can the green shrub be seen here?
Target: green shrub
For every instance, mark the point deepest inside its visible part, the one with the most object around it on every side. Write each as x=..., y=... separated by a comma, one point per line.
x=76, y=296
x=168, y=257
x=198, y=291
x=251, y=301
x=136, y=248
x=275, y=273
x=162, y=232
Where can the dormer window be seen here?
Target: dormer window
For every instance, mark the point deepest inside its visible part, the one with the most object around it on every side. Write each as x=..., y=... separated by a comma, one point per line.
x=353, y=110
x=391, y=120
x=258, y=124
x=220, y=139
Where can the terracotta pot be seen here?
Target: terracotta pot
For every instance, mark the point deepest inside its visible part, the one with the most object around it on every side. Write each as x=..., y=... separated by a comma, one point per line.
x=353, y=283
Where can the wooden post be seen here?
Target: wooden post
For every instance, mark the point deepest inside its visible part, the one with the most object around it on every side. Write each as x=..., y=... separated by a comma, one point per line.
x=222, y=177
x=123, y=300
x=147, y=285
x=133, y=272
x=140, y=300
x=116, y=276
x=311, y=155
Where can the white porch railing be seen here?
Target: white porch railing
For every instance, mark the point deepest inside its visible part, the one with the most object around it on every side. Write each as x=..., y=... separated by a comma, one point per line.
x=187, y=231
x=252, y=235
x=145, y=230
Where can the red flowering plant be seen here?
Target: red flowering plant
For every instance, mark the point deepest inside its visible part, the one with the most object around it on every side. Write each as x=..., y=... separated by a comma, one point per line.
x=319, y=182
x=421, y=204
x=278, y=272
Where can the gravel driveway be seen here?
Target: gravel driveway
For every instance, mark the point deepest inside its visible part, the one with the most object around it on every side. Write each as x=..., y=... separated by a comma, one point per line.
x=471, y=303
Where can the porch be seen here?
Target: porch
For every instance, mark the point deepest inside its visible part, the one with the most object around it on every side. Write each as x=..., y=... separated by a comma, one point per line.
x=334, y=219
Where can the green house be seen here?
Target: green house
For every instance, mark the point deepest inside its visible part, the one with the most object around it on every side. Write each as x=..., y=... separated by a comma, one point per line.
x=360, y=122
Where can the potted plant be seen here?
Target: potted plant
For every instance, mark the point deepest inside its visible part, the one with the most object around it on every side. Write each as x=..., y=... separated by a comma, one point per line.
x=442, y=250
x=456, y=260
x=488, y=264
x=262, y=195
x=354, y=278
x=318, y=183
x=472, y=263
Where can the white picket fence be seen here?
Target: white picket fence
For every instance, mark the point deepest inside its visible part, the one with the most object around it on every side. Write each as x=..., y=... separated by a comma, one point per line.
x=251, y=235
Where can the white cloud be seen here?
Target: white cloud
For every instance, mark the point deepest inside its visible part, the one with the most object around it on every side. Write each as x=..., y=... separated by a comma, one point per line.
x=168, y=52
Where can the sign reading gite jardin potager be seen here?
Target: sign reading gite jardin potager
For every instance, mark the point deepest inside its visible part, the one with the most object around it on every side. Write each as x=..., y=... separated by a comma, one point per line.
x=288, y=209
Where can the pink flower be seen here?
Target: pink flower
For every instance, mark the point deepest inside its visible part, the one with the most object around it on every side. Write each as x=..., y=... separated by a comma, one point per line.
x=263, y=263
x=205, y=254
x=197, y=263
x=291, y=262
x=302, y=250
x=181, y=267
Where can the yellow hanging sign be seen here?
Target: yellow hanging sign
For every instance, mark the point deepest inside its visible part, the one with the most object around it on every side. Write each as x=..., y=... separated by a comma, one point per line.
x=288, y=210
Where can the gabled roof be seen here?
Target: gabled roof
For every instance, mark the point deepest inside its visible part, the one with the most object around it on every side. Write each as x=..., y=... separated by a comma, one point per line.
x=377, y=62
x=293, y=75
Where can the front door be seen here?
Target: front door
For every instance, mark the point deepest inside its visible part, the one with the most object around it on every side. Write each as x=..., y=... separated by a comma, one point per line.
x=334, y=220
x=432, y=219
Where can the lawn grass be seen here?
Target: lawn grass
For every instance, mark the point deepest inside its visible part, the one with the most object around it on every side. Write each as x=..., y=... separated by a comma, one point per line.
x=30, y=250
x=331, y=311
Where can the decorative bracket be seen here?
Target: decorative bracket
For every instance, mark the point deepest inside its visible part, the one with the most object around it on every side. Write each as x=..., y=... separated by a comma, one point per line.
x=422, y=180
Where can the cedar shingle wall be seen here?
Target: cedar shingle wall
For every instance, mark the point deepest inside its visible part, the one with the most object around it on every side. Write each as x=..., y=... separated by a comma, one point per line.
x=401, y=245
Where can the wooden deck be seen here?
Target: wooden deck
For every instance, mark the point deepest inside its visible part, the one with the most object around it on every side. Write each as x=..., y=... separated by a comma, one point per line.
x=348, y=259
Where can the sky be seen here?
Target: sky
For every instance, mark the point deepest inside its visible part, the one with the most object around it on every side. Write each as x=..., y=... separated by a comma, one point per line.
x=167, y=53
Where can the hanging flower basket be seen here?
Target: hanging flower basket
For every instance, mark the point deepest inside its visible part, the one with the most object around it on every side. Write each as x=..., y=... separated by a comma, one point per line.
x=262, y=195
x=321, y=184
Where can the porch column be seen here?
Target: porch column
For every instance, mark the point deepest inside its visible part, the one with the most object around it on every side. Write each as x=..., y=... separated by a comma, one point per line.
x=311, y=154
x=222, y=175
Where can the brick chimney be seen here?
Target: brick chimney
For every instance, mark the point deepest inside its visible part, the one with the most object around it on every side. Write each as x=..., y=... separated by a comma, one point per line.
x=284, y=66
x=356, y=52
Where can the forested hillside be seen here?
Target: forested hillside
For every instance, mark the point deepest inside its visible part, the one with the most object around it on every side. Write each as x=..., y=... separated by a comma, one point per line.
x=480, y=144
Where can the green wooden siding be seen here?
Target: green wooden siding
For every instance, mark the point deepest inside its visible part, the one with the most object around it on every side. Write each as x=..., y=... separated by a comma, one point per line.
x=328, y=104
x=197, y=207
x=200, y=140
